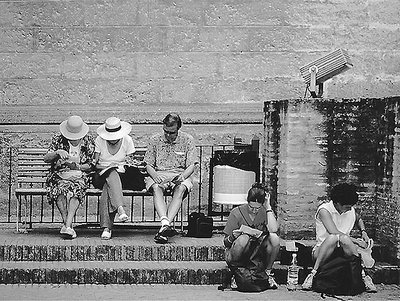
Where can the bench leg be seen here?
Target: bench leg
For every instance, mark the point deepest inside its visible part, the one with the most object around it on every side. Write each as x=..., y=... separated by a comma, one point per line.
x=18, y=212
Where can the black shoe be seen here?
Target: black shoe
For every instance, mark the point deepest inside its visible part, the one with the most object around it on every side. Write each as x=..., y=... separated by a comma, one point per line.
x=160, y=239
x=168, y=231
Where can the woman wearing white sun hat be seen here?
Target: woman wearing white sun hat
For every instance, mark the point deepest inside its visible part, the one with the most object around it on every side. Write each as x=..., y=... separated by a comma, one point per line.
x=70, y=154
x=113, y=150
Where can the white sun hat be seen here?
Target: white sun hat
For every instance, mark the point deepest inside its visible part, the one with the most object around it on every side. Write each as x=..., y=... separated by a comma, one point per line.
x=74, y=128
x=114, y=129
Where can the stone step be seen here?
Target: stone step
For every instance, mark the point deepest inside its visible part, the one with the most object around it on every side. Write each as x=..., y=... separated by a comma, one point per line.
x=123, y=249
x=154, y=272
x=111, y=272
x=128, y=272
x=109, y=252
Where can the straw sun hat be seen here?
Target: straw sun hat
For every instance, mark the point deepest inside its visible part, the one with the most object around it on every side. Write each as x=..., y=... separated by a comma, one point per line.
x=114, y=129
x=74, y=128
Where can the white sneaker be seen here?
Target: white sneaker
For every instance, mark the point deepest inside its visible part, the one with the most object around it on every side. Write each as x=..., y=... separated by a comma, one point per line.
x=123, y=218
x=233, y=283
x=272, y=283
x=63, y=230
x=70, y=232
x=369, y=285
x=106, y=234
x=307, y=284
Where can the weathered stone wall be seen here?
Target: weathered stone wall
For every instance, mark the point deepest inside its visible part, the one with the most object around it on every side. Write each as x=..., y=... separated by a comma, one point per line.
x=198, y=51
x=309, y=146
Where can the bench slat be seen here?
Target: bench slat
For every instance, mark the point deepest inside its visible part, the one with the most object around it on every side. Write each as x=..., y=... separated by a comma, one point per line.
x=30, y=191
x=30, y=171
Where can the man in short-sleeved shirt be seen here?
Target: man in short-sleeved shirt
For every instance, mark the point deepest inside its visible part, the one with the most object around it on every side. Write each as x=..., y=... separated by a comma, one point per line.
x=170, y=161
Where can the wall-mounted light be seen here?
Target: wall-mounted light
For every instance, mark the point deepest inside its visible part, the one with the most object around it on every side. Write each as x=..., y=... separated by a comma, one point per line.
x=317, y=72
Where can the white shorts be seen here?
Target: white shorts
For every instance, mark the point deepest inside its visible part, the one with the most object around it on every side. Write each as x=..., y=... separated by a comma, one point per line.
x=167, y=177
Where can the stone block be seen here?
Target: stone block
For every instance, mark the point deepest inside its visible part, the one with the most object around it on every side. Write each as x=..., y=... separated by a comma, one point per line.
x=137, y=39
x=20, y=40
x=115, y=13
x=73, y=40
x=206, y=39
x=327, y=13
x=28, y=66
x=43, y=13
x=99, y=65
x=245, y=13
x=177, y=66
x=98, y=39
x=260, y=65
x=186, y=13
x=349, y=86
x=384, y=13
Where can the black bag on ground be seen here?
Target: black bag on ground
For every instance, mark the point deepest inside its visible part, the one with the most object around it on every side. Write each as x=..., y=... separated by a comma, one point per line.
x=340, y=276
x=200, y=225
x=251, y=277
x=250, y=280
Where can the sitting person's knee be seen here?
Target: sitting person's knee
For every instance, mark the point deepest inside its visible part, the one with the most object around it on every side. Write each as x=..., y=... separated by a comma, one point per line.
x=345, y=240
x=332, y=239
x=112, y=174
x=274, y=239
x=180, y=189
x=157, y=188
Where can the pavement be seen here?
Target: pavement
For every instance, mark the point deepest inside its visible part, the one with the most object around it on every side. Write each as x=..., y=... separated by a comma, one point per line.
x=173, y=292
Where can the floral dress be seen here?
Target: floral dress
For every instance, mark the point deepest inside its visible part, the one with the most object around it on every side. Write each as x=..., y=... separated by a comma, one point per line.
x=74, y=187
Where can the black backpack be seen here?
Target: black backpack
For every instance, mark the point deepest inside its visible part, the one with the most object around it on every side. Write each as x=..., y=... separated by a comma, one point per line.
x=199, y=225
x=340, y=276
x=250, y=279
x=250, y=276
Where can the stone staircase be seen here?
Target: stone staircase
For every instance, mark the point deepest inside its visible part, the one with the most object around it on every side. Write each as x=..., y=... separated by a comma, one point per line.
x=130, y=257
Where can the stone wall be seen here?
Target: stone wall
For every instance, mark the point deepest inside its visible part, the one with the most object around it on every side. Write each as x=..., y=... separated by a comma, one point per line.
x=199, y=51
x=309, y=146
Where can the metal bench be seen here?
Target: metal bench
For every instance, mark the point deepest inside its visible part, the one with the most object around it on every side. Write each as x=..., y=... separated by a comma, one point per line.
x=31, y=184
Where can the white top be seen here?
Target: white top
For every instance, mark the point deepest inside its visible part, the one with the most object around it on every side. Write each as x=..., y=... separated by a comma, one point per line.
x=74, y=152
x=344, y=222
x=106, y=158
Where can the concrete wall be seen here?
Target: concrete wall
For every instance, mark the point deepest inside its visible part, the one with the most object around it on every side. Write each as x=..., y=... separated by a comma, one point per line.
x=199, y=51
x=309, y=146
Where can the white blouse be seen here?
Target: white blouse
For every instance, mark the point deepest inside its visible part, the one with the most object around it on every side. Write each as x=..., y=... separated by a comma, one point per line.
x=106, y=158
x=344, y=222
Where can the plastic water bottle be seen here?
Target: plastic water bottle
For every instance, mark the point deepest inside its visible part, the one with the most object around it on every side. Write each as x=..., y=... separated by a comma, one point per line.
x=293, y=274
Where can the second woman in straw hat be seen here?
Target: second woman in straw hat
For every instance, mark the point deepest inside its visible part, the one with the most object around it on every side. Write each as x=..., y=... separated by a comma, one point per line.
x=113, y=149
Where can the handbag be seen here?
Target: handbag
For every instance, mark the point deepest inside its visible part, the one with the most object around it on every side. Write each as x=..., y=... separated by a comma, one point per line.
x=199, y=225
